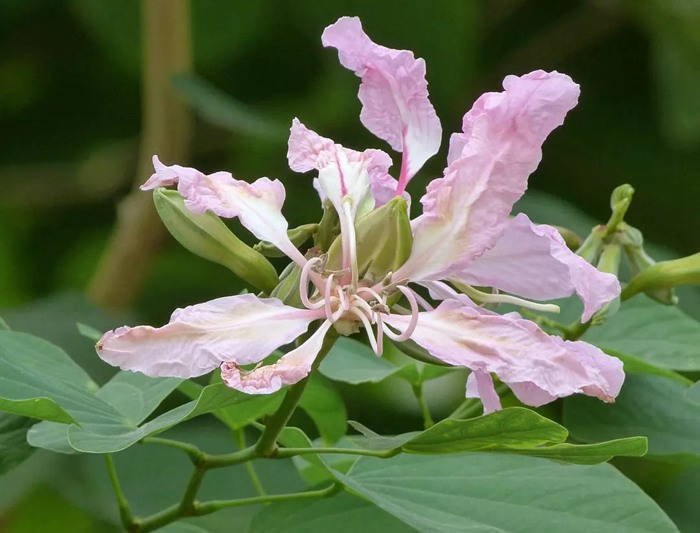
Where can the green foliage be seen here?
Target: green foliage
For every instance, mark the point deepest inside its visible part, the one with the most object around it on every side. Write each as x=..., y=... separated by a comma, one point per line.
x=509, y=493
x=14, y=448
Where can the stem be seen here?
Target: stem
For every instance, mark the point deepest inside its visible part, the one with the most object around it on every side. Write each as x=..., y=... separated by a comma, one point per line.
x=213, y=506
x=418, y=393
x=125, y=513
x=576, y=330
x=284, y=453
x=167, y=127
x=191, y=450
x=267, y=444
x=240, y=442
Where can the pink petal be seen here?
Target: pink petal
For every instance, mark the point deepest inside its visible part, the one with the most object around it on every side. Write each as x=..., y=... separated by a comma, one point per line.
x=480, y=385
x=258, y=205
x=394, y=94
x=516, y=350
x=291, y=368
x=342, y=171
x=242, y=328
x=465, y=212
x=533, y=261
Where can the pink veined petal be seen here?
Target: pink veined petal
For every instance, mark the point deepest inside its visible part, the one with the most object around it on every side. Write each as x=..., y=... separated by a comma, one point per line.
x=258, y=205
x=480, y=385
x=465, y=212
x=533, y=261
x=242, y=328
x=291, y=368
x=516, y=350
x=393, y=92
x=342, y=171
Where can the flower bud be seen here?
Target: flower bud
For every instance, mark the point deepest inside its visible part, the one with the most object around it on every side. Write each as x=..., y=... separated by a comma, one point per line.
x=620, y=200
x=298, y=236
x=384, y=241
x=288, y=288
x=207, y=236
x=665, y=275
x=609, y=262
x=640, y=261
x=591, y=247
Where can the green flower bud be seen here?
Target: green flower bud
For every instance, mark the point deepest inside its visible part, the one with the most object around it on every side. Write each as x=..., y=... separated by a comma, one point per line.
x=298, y=236
x=328, y=228
x=640, y=261
x=384, y=241
x=609, y=262
x=208, y=237
x=664, y=275
x=620, y=200
x=571, y=238
x=288, y=288
x=591, y=247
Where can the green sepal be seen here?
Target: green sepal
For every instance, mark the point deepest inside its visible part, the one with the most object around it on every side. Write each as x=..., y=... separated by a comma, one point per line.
x=207, y=236
x=287, y=289
x=328, y=229
x=298, y=236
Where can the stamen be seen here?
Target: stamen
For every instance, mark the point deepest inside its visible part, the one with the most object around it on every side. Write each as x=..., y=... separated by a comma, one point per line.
x=365, y=306
x=484, y=297
x=380, y=334
x=304, y=284
x=368, y=328
x=327, y=298
x=373, y=293
x=410, y=296
x=351, y=239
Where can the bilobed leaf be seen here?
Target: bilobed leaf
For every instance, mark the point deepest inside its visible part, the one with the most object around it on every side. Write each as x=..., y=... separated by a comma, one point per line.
x=13, y=441
x=350, y=361
x=651, y=406
x=326, y=408
x=661, y=335
x=114, y=438
x=589, y=454
x=134, y=395
x=39, y=380
x=343, y=513
x=485, y=492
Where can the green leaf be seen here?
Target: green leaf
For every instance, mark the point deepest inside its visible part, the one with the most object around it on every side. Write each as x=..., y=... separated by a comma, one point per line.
x=652, y=406
x=240, y=415
x=350, y=361
x=326, y=408
x=89, y=332
x=661, y=335
x=3, y=325
x=134, y=395
x=343, y=513
x=639, y=366
x=221, y=109
x=483, y=492
x=114, y=438
x=514, y=426
x=589, y=454
x=13, y=441
x=693, y=393
x=39, y=380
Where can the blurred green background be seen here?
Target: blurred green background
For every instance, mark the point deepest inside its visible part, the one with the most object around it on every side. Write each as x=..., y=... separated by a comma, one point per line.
x=70, y=113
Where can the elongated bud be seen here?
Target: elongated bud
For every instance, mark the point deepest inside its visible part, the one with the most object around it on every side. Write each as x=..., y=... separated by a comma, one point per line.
x=571, y=238
x=328, y=229
x=287, y=289
x=620, y=200
x=591, y=247
x=384, y=241
x=298, y=236
x=640, y=261
x=208, y=237
x=609, y=262
x=665, y=275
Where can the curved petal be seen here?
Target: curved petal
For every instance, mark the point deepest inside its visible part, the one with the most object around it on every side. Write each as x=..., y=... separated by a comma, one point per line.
x=533, y=261
x=394, y=94
x=480, y=385
x=258, y=205
x=242, y=328
x=516, y=350
x=465, y=212
x=291, y=368
x=343, y=172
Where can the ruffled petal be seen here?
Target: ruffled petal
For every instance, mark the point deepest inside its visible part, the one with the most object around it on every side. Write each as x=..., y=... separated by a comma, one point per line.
x=394, y=94
x=291, y=368
x=480, y=385
x=242, y=328
x=465, y=212
x=257, y=205
x=533, y=261
x=343, y=172
x=516, y=350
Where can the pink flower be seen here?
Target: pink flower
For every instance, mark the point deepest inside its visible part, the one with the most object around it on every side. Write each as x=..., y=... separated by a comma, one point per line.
x=464, y=236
